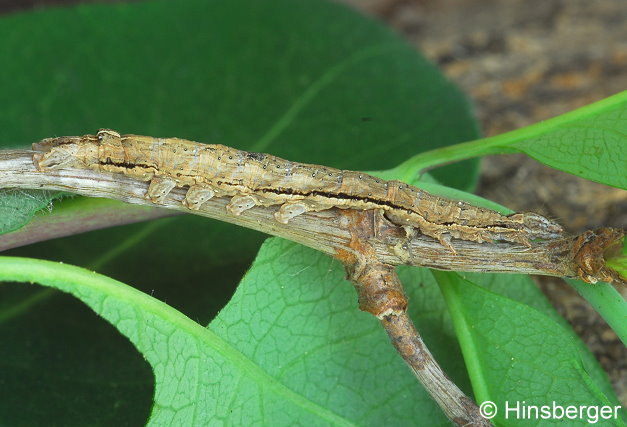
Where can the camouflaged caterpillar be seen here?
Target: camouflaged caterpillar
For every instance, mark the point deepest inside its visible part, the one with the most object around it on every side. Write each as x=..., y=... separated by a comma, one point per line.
x=255, y=179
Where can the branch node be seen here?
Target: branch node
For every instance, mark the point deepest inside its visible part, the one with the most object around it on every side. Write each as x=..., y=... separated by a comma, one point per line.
x=381, y=293
x=590, y=250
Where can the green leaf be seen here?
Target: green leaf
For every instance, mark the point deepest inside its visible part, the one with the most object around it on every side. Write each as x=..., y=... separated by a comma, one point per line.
x=307, y=80
x=618, y=259
x=521, y=288
x=290, y=347
x=297, y=317
x=515, y=353
x=18, y=207
x=590, y=142
x=608, y=302
x=43, y=330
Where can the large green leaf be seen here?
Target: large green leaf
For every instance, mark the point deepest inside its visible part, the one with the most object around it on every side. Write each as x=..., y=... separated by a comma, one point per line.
x=289, y=348
x=307, y=80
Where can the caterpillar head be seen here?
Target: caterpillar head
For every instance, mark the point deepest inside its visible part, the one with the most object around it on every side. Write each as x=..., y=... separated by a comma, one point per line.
x=65, y=152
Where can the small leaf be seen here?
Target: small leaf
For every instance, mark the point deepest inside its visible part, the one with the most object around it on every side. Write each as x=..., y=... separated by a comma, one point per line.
x=17, y=207
x=590, y=142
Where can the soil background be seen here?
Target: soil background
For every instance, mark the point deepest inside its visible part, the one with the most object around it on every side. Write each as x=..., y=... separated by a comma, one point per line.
x=520, y=62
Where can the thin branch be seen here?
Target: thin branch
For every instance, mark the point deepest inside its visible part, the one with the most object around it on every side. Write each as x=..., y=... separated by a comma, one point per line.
x=74, y=218
x=460, y=409
x=381, y=293
x=325, y=231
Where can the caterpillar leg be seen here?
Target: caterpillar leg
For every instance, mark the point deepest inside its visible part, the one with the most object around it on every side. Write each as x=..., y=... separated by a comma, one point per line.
x=159, y=188
x=239, y=204
x=196, y=196
x=289, y=210
x=445, y=240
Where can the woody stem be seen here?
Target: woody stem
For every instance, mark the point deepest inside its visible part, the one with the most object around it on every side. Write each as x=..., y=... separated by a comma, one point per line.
x=380, y=293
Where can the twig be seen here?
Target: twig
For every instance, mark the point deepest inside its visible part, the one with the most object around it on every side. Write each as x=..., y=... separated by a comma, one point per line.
x=324, y=231
x=75, y=218
x=381, y=294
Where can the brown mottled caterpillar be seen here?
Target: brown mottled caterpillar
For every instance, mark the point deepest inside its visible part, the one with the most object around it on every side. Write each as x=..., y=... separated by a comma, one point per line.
x=253, y=179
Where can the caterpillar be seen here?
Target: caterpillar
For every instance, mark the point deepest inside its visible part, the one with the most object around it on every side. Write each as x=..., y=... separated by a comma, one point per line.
x=257, y=179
